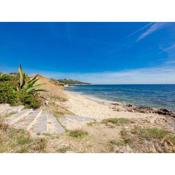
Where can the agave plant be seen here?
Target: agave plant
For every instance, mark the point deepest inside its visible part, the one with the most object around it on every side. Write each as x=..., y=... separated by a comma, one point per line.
x=26, y=84
x=22, y=78
x=32, y=86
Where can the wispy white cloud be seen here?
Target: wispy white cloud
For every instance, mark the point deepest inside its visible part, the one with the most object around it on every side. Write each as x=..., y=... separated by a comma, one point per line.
x=170, y=47
x=139, y=30
x=154, y=27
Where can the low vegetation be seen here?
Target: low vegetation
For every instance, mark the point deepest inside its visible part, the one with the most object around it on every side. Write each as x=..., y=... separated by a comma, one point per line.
x=19, y=141
x=92, y=123
x=19, y=89
x=78, y=134
x=58, y=98
x=63, y=149
x=149, y=140
x=116, y=121
x=120, y=142
x=148, y=133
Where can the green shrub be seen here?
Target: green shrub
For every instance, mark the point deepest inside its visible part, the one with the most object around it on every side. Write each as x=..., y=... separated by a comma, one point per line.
x=116, y=121
x=150, y=132
x=5, y=77
x=7, y=93
x=31, y=101
x=78, y=134
x=19, y=89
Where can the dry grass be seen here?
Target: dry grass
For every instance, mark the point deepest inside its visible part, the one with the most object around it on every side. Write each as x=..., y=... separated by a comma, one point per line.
x=59, y=98
x=116, y=121
x=92, y=123
x=78, y=134
x=120, y=142
x=148, y=133
x=63, y=149
x=60, y=111
x=149, y=139
x=19, y=141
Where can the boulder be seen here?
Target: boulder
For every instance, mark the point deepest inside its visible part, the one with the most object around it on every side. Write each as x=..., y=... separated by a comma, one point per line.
x=144, y=109
x=163, y=111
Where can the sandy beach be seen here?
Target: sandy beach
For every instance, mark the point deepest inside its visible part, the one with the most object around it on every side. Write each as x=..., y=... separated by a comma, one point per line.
x=98, y=109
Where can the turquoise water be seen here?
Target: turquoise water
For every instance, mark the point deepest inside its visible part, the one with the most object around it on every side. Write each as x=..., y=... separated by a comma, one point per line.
x=161, y=96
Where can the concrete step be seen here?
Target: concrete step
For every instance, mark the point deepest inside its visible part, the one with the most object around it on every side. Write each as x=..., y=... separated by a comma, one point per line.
x=2, y=106
x=34, y=121
x=6, y=109
x=26, y=121
x=14, y=110
x=3, y=109
x=53, y=126
x=11, y=120
x=39, y=125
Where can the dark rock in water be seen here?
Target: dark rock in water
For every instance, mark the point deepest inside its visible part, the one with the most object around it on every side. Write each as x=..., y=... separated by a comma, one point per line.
x=129, y=105
x=144, y=109
x=163, y=111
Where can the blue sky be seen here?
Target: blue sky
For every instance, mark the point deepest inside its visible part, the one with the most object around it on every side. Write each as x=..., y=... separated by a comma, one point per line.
x=103, y=53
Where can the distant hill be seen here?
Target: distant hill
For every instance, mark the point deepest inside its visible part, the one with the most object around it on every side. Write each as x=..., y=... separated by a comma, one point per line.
x=72, y=82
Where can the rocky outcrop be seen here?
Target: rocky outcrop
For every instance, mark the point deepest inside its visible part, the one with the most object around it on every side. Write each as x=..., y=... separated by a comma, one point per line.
x=165, y=112
x=145, y=109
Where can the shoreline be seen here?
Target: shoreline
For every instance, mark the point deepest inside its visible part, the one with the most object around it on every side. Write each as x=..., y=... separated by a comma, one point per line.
x=101, y=100
x=94, y=98
x=97, y=106
x=153, y=97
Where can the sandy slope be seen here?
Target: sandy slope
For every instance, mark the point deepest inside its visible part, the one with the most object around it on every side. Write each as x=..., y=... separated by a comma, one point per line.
x=51, y=88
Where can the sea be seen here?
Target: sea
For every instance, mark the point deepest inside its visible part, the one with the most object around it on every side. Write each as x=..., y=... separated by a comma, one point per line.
x=159, y=96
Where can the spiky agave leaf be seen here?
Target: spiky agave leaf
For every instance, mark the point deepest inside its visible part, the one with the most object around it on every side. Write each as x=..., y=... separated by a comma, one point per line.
x=31, y=83
x=33, y=90
x=21, y=77
x=34, y=79
x=32, y=87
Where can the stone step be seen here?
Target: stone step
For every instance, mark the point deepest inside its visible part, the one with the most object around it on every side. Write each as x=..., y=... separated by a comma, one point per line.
x=6, y=109
x=53, y=126
x=26, y=121
x=3, y=109
x=14, y=110
x=34, y=121
x=11, y=120
x=39, y=125
x=2, y=106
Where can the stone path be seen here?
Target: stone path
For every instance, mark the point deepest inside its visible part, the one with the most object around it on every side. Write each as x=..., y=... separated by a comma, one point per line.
x=37, y=122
